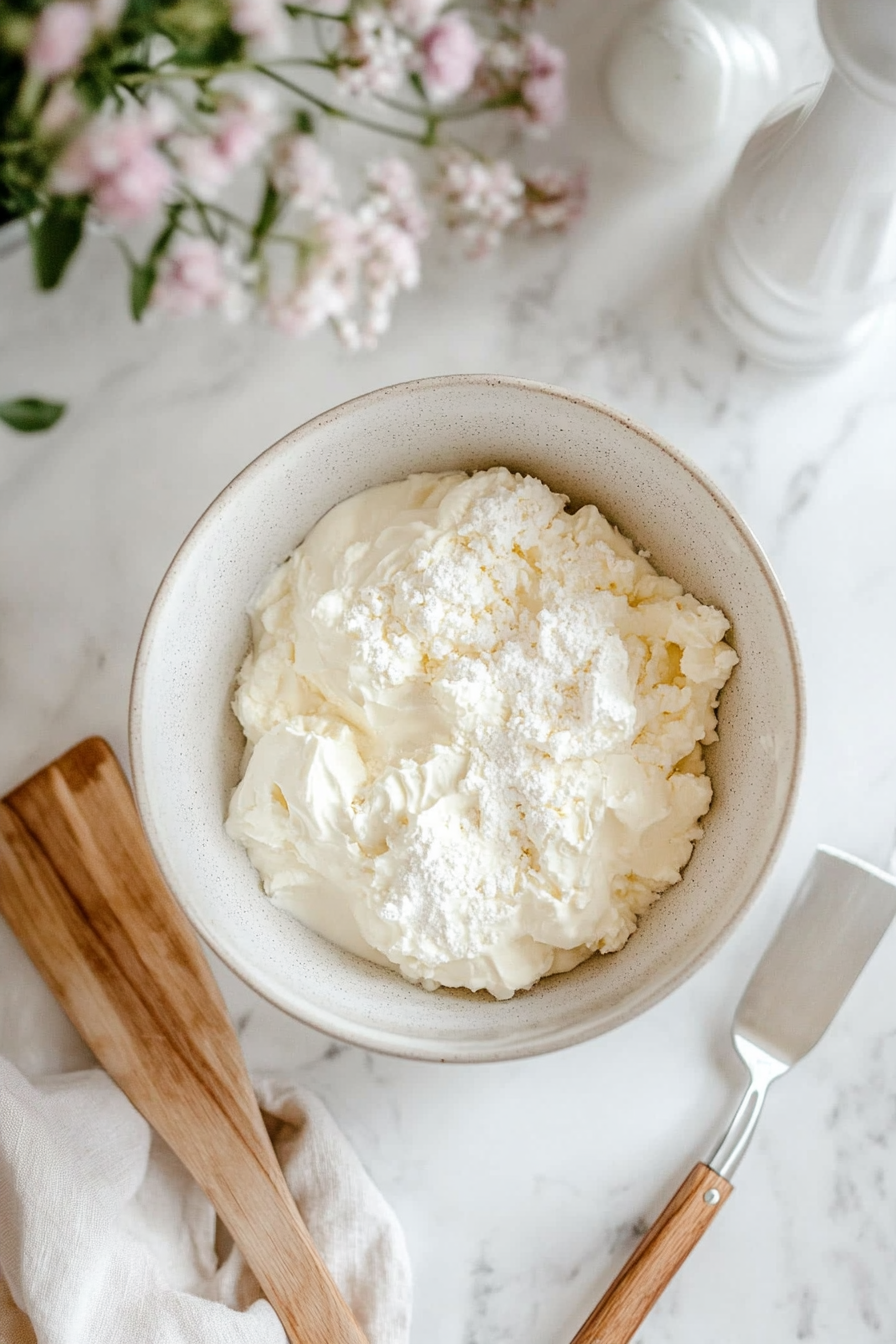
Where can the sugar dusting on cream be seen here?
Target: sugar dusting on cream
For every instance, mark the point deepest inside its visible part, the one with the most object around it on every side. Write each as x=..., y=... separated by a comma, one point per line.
x=475, y=725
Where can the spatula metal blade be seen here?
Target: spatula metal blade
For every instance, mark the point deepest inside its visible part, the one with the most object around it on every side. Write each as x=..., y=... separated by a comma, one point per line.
x=836, y=920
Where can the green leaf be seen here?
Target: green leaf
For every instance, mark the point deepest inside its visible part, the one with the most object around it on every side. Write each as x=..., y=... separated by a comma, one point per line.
x=269, y=211
x=54, y=239
x=270, y=207
x=303, y=122
x=130, y=67
x=30, y=415
x=17, y=202
x=94, y=86
x=143, y=278
x=160, y=246
x=139, y=12
x=217, y=48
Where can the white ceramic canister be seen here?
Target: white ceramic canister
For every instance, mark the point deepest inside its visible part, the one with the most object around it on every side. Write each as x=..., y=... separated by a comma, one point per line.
x=800, y=254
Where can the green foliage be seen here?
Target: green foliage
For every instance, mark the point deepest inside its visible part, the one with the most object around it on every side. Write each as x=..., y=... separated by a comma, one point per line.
x=143, y=277
x=30, y=415
x=268, y=212
x=10, y=81
x=188, y=51
x=55, y=238
x=94, y=85
x=212, y=49
x=200, y=31
x=16, y=202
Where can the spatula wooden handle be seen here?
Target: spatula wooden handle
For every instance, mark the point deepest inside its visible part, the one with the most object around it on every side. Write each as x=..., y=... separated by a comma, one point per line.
x=80, y=889
x=656, y=1259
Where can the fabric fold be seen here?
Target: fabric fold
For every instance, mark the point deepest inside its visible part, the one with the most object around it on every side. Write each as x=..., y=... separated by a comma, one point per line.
x=106, y=1239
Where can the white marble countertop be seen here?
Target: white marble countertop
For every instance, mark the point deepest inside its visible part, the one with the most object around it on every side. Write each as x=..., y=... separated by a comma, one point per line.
x=521, y=1186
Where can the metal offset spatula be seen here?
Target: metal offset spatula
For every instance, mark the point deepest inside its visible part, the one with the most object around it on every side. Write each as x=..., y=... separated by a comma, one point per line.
x=838, y=916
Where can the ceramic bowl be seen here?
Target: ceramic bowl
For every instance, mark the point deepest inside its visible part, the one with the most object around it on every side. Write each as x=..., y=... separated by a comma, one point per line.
x=186, y=744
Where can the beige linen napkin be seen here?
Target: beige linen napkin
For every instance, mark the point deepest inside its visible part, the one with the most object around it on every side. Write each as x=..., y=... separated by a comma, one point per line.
x=105, y=1238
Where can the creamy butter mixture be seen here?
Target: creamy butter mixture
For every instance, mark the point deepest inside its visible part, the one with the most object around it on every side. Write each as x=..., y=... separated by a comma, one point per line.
x=474, y=729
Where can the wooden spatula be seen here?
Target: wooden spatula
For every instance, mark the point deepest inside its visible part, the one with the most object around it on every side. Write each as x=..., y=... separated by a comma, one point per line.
x=81, y=891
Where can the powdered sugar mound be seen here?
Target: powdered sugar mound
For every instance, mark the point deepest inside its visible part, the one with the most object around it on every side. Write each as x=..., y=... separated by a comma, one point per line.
x=528, y=700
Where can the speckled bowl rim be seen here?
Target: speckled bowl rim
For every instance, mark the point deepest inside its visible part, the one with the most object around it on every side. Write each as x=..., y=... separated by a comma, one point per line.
x=322, y=1021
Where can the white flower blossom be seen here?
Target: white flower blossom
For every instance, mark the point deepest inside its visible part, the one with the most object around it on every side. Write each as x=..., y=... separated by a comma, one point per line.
x=414, y=16
x=168, y=141
x=374, y=57
x=480, y=200
x=395, y=195
x=198, y=276
x=302, y=172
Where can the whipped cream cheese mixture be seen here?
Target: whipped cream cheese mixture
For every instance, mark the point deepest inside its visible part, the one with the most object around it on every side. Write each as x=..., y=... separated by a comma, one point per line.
x=475, y=727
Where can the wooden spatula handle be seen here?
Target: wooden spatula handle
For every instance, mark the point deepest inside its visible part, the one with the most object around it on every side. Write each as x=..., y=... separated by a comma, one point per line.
x=80, y=889
x=656, y=1259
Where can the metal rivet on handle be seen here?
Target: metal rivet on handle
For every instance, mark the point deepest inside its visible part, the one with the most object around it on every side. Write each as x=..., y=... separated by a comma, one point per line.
x=711, y=1197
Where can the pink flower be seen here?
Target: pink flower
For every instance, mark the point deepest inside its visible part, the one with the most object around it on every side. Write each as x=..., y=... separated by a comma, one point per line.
x=59, y=39
x=238, y=138
x=262, y=21
x=246, y=117
x=302, y=172
x=335, y=245
x=160, y=115
x=192, y=279
x=543, y=85
x=374, y=55
x=307, y=307
x=135, y=189
x=239, y=129
x=451, y=53
x=106, y=14
x=391, y=260
x=395, y=196
x=505, y=58
x=554, y=198
x=355, y=267
x=480, y=200
x=117, y=163
x=414, y=16
x=61, y=110
x=328, y=284
x=203, y=168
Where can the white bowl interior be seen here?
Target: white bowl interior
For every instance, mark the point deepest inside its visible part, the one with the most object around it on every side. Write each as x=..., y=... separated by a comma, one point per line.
x=186, y=745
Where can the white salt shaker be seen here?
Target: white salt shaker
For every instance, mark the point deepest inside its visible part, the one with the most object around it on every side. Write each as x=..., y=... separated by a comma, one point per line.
x=682, y=76
x=800, y=255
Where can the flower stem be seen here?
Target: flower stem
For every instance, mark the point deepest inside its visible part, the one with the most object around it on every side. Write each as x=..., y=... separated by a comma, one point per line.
x=302, y=60
x=124, y=250
x=204, y=209
x=300, y=11
x=228, y=215
x=182, y=74
x=432, y=117
x=30, y=91
x=332, y=110
x=490, y=105
x=202, y=212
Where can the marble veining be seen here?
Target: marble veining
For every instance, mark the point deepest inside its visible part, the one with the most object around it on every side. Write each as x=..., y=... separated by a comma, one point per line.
x=523, y=1186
